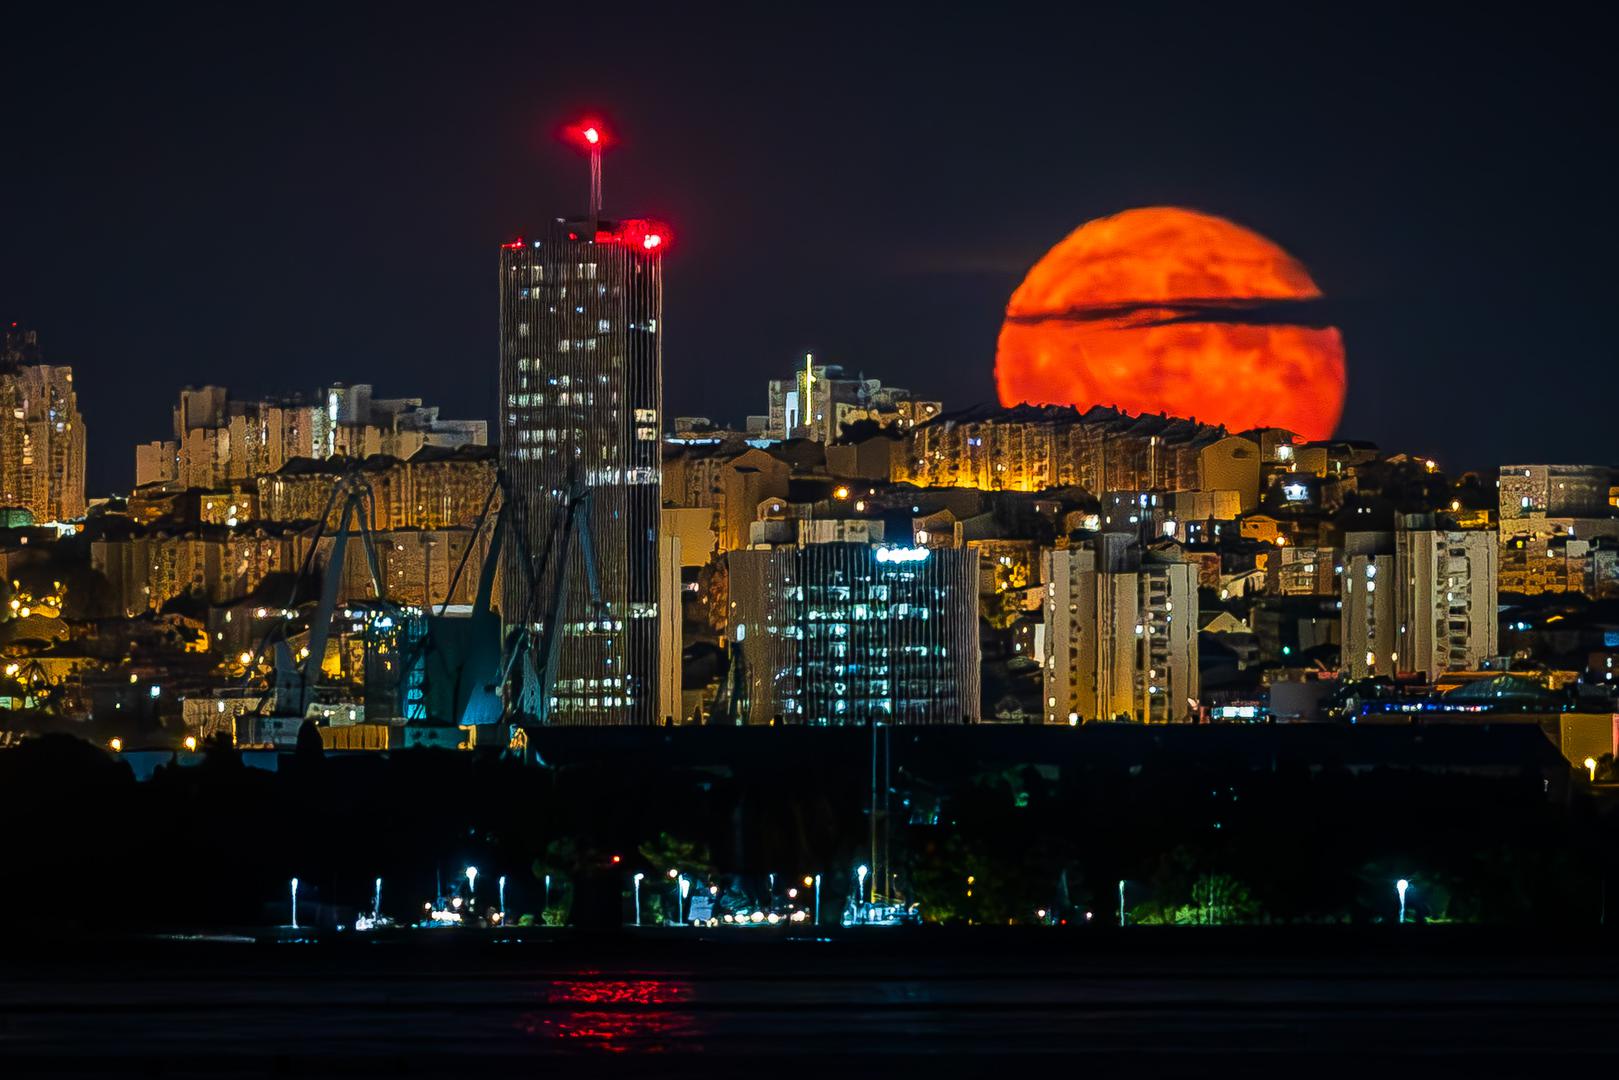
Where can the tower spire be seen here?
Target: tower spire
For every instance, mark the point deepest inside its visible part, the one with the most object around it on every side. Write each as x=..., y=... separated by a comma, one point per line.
x=591, y=135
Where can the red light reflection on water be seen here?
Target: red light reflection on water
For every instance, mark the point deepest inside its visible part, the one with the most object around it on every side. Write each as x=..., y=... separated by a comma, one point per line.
x=617, y=1015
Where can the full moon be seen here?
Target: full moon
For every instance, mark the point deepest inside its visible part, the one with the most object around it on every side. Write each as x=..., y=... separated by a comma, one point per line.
x=1144, y=310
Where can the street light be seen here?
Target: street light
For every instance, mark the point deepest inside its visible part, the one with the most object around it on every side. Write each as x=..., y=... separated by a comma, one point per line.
x=1121, y=901
x=472, y=884
x=1400, y=887
x=1591, y=764
x=817, y=899
x=637, y=883
x=861, y=873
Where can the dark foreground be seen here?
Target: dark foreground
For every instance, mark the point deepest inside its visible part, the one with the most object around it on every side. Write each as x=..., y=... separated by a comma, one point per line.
x=895, y=1003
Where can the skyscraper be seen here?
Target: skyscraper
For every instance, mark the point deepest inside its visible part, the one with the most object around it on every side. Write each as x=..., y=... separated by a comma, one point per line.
x=581, y=385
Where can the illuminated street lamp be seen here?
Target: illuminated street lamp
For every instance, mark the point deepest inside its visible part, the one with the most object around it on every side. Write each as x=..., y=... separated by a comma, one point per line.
x=1121, y=901
x=680, y=890
x=817, y=899
x=1591, y=764
x=861, y=873
x=472, y=884
x=295, y=903
x=636, y=881
x=685, y=890
x=1400, y=887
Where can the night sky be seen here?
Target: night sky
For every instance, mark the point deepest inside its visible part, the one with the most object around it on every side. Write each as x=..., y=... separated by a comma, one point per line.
x=278, y=200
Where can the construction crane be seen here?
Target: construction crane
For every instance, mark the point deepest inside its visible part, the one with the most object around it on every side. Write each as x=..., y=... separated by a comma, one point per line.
x=529, y=697
x=451, y=667
x=292, y=689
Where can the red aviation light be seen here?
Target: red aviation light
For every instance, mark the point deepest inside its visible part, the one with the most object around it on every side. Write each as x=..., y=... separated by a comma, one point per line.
x=514, y=243
x=587, y=134
x=643, y=235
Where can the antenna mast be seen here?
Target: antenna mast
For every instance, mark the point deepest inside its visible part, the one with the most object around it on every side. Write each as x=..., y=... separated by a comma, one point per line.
x=593, y=139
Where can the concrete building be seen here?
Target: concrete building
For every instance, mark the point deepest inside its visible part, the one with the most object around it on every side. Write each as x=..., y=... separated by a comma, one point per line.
x=1549, y=517
x=42, y=443
x=1418, y=600
x=1039, y=447
x=217, y=440
x=1302, y=571
x=436, y=488
x=148, y=567
x=1369, y=641
x=1554, y=491
x=1119, y=637
x=820, y=400
x=1445, y=600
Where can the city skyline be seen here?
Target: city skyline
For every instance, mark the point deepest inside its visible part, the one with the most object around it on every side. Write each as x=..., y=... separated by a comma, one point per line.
x=1453, y=240
x=876, y=539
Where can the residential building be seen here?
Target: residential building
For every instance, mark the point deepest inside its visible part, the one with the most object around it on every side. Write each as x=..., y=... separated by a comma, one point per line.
x=1038, y=447
x=820, y=400
x=42, y=443
x=1418, y=600
x=1119, y=638
x=217, y=440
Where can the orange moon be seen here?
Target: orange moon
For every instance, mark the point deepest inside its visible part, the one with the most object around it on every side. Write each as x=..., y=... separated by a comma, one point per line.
x=1144, y=311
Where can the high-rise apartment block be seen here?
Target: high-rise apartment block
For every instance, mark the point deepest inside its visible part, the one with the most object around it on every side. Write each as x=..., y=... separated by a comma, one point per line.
x=218, y=440
x=1119, y=636
x=42, y=445
x=1445, y=600
x=581, y=388
x=1418, y=600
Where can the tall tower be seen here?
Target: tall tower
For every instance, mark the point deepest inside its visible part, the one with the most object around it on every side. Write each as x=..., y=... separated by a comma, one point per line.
x=581, y=399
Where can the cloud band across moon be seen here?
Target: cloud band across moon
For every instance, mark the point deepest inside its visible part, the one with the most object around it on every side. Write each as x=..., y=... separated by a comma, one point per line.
x=1173, y=311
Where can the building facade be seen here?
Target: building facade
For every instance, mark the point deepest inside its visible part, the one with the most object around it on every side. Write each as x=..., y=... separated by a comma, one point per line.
x=1554, y=491
x=42, y=444
x=217, y=440
x=1418, y=600
x=819, y=400
x=1445, y=602
x=1119, y=635
x=1039, y=447
x=847, y=633
x=581, y=398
